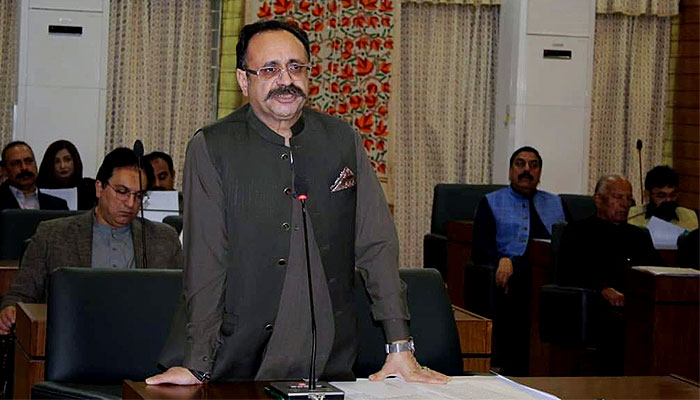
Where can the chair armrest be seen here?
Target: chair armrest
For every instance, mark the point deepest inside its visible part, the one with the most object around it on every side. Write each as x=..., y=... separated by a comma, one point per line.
x=566, y=315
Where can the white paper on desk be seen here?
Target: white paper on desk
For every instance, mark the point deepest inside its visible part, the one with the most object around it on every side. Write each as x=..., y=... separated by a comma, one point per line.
x=664, y=234
x=160, y=204
x=460, y=387
x=668, y=271
x=70, y=195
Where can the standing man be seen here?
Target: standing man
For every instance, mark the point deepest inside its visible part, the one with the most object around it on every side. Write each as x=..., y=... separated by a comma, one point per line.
x=245, y=278
x=19, y=190
x=505, y=222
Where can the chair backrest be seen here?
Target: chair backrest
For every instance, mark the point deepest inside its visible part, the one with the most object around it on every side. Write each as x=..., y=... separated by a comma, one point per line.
x=432, y=326
x=175, y=221
x=104, y=326
x=456, y=201
x=688, y=254
x=18, y=225
x=580, y=206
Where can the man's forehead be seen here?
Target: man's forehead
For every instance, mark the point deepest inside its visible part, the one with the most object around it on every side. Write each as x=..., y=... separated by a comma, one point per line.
x=19, y=151
x=666, y=189
x=275, y=46
x=527, y=155
x=619, y=186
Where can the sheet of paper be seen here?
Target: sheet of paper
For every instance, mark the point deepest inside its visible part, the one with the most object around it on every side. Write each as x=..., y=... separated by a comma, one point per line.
x=668, y=271
x=160, y=204
x=460, y=387
x=70, y=195
x=664, y=234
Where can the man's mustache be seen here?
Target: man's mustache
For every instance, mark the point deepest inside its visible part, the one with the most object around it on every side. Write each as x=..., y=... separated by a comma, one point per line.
x=526, y=175
x=282, y=90
x=25, y=174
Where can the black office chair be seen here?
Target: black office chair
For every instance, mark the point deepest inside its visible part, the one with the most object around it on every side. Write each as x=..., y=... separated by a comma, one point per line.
x=104, y=326
x=18, y=225
x=175, y=221
x=432, y=325
x=580, y=206
x=451, y=201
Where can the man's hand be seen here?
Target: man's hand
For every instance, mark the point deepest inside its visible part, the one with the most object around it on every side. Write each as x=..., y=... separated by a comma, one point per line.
x=405, y=366
x=174, y=375
x=615, y=298
x=504, y=271
x=7, y=319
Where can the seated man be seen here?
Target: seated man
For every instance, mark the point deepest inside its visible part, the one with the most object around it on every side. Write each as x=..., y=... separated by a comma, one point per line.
x=19, y=190
x=661, y=184
x=163, y=169
x=109, y=236
x=505, y=222
x=596, y=252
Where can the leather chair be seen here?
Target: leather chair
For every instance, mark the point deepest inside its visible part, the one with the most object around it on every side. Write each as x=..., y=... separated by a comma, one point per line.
x=175, y=221
x=580, y=206
x=451, y=201
x=688, y=254
x=18, y=225
x=104, y=326
x=432, y=326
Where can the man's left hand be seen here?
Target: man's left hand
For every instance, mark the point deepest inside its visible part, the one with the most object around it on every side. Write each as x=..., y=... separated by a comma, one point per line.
x=405, y=366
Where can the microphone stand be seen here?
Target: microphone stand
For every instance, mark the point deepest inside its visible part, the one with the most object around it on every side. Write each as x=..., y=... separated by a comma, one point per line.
x=138, y=149
x=313, y=390
x=641, y=181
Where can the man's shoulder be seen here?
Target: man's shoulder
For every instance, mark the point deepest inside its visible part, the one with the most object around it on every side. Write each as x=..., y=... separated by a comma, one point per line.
x=64, y=224
x=329, y=123
x=161, y=230
x=547, y=194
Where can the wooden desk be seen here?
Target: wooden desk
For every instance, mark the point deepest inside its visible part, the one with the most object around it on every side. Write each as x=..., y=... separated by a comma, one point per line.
x=8, y=271
x=626, y=387
x=474, y=339
x=662, y=325
x=30, y=329
x=460, y=235
x=614, y=387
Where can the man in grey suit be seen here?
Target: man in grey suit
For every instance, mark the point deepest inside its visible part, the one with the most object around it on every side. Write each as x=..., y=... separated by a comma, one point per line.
x=109, y=236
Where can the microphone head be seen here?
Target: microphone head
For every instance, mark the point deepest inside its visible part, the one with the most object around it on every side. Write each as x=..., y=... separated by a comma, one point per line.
x=301, y=187
x=639, y=144
x=138, y=148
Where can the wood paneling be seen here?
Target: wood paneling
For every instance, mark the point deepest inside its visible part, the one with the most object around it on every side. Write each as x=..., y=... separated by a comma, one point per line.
x=684, y=99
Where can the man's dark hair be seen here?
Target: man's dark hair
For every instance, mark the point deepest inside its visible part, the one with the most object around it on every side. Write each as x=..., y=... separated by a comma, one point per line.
x=119, y=158
x=522, y=149
x=154, y=155
x=11, y=145
x=660, y=176
x=253, y=29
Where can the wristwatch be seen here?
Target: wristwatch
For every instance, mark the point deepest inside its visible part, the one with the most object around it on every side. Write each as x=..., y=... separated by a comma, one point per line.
x=399, y=347
x=201, y=376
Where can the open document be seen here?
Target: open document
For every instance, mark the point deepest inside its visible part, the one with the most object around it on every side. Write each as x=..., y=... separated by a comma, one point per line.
x=460, y=387
x=664, y=234
x=70, y=195
x=160, y=204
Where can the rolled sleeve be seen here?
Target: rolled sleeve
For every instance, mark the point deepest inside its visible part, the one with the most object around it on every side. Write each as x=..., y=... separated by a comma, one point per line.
x=205, y=244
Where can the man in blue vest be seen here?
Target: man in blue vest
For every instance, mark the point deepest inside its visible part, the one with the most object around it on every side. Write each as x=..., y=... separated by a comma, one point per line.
x=505, y=222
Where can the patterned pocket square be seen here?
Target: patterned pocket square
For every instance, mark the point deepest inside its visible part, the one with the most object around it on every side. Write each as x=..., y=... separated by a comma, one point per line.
x=345, y=180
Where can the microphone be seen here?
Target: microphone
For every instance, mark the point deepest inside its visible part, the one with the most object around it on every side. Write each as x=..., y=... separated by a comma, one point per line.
x=313, y=390
x=138, y=149
x=641, y=181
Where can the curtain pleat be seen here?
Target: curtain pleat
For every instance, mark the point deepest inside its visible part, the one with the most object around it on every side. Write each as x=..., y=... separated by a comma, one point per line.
x=9, y=45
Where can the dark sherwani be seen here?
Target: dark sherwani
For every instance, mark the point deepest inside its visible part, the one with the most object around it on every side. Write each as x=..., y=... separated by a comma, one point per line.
x=245, y=284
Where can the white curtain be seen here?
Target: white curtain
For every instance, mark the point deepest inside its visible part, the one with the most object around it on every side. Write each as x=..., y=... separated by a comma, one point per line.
x=160, y=77
x=9, y=18
x=445, y=110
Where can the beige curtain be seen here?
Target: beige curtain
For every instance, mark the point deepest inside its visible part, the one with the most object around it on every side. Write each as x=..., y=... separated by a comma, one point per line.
x=446, y=110
x=659, y=8
x=160, y=77
x=630, y=74
x=9, y=27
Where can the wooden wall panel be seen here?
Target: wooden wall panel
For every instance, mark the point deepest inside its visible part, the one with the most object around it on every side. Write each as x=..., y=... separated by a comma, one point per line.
x=685, y=95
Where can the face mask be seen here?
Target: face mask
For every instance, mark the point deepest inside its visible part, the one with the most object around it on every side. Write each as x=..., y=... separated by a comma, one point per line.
x=666, y=211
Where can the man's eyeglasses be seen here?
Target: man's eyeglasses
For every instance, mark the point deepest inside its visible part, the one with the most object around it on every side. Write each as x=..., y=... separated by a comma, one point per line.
x=296, y=71
x=123, y=193
x=520, y=163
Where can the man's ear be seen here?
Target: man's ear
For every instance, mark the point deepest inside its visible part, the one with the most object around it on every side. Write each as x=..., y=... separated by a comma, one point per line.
x=242, y=78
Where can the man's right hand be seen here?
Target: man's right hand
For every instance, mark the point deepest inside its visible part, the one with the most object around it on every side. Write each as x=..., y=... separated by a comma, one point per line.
x=615, y=298
x=504, y=271
x=174, y=375
x=7, y=319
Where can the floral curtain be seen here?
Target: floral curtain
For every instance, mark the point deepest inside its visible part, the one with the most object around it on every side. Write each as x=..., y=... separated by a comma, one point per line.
x=351, y=56
x=160, y=76
x=9, y=29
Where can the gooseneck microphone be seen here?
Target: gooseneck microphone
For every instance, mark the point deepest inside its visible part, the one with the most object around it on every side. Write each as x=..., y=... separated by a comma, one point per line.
x=641, y=181
x=138, y=149
x=301, y=390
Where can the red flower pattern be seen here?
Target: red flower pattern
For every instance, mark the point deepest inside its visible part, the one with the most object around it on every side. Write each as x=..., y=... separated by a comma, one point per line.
x=264, y=11
x=365, y=123
x=364, y=66
x=283, y=6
